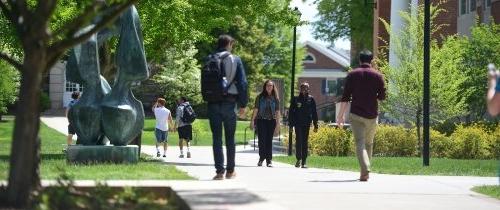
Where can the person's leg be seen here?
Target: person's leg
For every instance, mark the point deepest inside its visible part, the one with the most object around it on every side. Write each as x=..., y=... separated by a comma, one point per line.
x=165, y=143
x=229, y=130
x=358, y=129
x=215, y=119
x=271, y=124
x=371, y=127
x=298, y=145
x=180, y=147
x=261, y=129
x=188, y=137
x=158, y=141
x=305, y=145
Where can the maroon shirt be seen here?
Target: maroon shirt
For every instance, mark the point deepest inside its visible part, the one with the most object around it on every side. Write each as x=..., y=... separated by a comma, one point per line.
x=363, y=87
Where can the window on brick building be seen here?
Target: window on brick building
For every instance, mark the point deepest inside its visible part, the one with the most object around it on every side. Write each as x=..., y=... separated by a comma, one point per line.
x=488, y=3
x=472, y=5
x=331, y=87
x=463, y=7
x=309, y=58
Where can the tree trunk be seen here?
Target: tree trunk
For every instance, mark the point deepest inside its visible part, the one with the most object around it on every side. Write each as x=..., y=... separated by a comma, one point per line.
x=23, y=174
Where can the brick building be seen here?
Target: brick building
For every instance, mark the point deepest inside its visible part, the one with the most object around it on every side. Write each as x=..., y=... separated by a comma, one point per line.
x=325, y=69
x=459, y=17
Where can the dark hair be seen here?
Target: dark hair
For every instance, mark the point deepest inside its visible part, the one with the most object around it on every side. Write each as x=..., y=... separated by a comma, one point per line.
x=224, y=40
x=365, y=56
x=183, y=99
x=274, y=93
x=75, y=95
x=304, y=84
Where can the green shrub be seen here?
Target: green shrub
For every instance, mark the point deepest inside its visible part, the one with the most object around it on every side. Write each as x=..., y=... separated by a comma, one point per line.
x=44, y=101
x=441, y=145
x=330, y=141
x=495, y=144
x=471, y=142
x=394, y=141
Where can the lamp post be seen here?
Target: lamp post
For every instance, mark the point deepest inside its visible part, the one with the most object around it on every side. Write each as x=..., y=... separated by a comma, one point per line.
x=292, y=82
x=427, y=26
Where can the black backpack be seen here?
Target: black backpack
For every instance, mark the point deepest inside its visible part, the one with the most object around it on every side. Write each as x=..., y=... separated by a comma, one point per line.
x=213, y=85
x=188, y=114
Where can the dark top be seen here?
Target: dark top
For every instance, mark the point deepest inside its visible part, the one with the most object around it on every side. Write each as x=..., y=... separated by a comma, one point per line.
x=240, y=80
x=267, y=107
x=303, y=111
x=363, y=87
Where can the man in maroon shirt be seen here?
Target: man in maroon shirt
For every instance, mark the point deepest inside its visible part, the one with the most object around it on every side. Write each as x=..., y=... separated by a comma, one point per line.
x=364, y=86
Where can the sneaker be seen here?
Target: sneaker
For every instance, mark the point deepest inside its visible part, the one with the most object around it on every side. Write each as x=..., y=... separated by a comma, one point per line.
x=269, y=164
x=230, y=175
x=188, y=154
x=304, y=166
x=364, y=176
x=297, y=164
x=157, y=154
x=164, y=155
x=181, y=156
x=219, y=176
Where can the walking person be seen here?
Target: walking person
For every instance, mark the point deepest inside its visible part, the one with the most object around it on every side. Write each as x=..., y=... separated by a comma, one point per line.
x=363, y=87
x=163, y=122
x=302, y=112
x=493, y=94
x=184, y=117
x=224, y=86
x=75, y=96
x=266, y=116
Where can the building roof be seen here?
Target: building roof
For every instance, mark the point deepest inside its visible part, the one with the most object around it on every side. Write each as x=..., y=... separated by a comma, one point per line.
x=340, y=56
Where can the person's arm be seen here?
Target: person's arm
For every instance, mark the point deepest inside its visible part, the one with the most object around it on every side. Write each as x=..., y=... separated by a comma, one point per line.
x=344, y=101
x=170, y=121
x=254, y=113
x=291, y=112
x=314, y=113
x=178, y=116
x=242, y=86
x=493, y=94
x=154, y=106
x=381, y=92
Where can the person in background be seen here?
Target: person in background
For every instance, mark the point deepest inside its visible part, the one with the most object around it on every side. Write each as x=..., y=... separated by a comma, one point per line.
x=302, y=112
x=493, y=94
x=163, y=122
x=363, y=87
x=75, y=96
x=184, y=129
x=266, y=116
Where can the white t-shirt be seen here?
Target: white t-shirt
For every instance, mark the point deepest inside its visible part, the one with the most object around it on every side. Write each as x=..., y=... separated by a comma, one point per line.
x=161, y=115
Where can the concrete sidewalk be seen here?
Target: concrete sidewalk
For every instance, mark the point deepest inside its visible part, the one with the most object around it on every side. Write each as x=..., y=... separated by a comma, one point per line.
x=285, y=186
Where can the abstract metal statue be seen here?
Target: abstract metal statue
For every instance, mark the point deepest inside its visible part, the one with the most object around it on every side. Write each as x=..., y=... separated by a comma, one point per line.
x=105, y=111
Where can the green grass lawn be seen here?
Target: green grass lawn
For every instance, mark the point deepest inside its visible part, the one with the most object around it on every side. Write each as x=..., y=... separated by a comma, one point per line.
x=53, y=160
x=490, y=190
x=204, y=138
x=405, y=165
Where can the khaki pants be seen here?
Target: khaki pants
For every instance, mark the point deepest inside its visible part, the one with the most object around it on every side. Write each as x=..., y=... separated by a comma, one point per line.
x=364, y=132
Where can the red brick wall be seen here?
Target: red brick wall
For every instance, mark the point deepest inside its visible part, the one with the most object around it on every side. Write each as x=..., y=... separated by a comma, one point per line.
x=449, y=17
x=322, y=61
x=495, y=11
x=382, y=11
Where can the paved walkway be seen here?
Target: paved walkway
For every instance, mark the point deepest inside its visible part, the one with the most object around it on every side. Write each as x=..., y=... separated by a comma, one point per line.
x=287, y=187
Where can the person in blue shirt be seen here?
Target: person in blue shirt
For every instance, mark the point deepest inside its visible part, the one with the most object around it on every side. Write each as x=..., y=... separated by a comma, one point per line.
x=493, y=94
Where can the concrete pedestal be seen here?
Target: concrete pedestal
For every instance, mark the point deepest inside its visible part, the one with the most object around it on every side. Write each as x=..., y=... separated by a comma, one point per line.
x=102, y=154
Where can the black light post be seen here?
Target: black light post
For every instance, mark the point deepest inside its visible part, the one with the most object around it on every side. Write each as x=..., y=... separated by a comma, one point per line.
x=427, y=53
x=290, y=129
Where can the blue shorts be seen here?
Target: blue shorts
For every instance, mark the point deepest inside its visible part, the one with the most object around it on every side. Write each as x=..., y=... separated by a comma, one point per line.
x=161, y=136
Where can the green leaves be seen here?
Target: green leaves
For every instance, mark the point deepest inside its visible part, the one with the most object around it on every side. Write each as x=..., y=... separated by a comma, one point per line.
x=9, y=86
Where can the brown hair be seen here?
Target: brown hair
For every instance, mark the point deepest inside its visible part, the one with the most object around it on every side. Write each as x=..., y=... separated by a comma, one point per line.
x=161, y=101
x=224, y=40
x=274, y=93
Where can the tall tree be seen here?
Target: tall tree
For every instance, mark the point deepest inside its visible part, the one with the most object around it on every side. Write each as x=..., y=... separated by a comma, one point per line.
x=345, y=19
x=405, y=80
x=42, y=34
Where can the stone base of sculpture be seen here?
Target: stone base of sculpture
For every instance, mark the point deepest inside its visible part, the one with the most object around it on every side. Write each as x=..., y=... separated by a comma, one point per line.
x=103, y=154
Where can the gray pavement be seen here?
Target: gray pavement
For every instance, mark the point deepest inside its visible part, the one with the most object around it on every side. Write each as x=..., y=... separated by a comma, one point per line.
x=287, y=187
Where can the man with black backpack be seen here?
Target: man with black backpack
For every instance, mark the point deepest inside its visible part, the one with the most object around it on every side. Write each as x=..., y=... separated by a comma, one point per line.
x=223, y=85
x=184, y=117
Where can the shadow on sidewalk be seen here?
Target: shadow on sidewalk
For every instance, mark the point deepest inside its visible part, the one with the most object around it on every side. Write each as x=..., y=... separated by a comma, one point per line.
x=200, y=164
x=202, y=199
x=348, y=180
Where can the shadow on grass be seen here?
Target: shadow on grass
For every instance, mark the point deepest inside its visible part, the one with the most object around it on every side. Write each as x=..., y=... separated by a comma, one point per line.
x=43, y=156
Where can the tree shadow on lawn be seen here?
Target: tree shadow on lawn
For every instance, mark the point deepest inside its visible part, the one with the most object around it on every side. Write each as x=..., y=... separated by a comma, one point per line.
x=43, y=157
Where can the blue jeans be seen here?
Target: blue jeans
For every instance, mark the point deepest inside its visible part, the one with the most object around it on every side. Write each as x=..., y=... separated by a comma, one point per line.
x=220, y=114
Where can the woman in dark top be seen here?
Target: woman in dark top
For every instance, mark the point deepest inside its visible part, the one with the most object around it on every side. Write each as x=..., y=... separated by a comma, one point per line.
x=266, y=116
